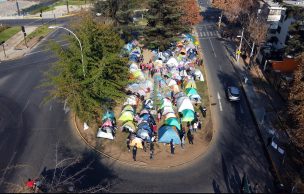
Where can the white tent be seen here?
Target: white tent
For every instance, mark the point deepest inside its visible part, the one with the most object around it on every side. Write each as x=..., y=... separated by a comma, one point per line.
x=133, y=67
x=166, y=103
x=172, y=62
x=105, y=132
x=131, y=100
x=143, y=134
x=184, y=103
x=198, y=74
x=167, y=110
x=171, y=82
x=141, y=92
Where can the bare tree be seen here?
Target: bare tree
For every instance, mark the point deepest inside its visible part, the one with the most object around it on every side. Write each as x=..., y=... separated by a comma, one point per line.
x=67, y=175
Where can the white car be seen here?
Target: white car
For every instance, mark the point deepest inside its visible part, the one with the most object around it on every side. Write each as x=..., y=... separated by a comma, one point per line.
x=233, y=93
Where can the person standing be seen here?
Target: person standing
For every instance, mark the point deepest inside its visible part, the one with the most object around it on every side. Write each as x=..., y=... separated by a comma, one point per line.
x=144, y=145
x=183, y=141
x=158, y=116
x=190, y=137
x=128, y=144
x=199, y=125
x=30, y=184
x=151, y=150
x=194, y=126
x=172, y=146
x=134, y=151
x=190, y=127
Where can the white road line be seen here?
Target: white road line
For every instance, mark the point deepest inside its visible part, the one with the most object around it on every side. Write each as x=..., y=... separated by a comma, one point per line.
x=43, y=50
x=211, y=44
x=51, y=107
x=218, y=34
x=204, y=34
x=207, y=33
x=220, y=66
x=219, y=99
x=7, y=167
x=26, y=105
x=201, y=33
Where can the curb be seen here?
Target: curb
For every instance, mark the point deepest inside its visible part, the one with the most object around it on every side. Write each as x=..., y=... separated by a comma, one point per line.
x=129, y=163
x=276, y=174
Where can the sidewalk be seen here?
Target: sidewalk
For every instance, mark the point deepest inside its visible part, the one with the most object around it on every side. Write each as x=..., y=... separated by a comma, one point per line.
x=264, y=103
x=13, y=48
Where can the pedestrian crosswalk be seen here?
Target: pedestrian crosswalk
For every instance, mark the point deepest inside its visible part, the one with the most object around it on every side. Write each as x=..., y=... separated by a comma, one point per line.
x=207, y=31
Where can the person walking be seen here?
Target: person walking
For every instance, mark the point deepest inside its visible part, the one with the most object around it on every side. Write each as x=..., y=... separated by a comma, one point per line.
x=134, y=151
x=172, y=146
x=194, y=126
x=183, y=141
x=151, y=150
x=190, y=137
x=128, y=144
x=190, y=127
x=30, y=184
x=199, y=125
x=158, y=116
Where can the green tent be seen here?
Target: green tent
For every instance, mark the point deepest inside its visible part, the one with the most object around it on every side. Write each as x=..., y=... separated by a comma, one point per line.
x=126, y=116
x=191, y=91
x=108, y=115
x=173, y=122
x=128, y=108
x=188, y=115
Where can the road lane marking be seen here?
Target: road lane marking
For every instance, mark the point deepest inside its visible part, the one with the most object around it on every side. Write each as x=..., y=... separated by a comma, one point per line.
x=51, y=108
x=211, y=44
x=43, y=50
x=26, y=105
x=219, y=99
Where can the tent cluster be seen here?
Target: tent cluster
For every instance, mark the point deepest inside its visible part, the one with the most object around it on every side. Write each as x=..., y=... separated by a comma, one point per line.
x=107, y=129
x=176, y=67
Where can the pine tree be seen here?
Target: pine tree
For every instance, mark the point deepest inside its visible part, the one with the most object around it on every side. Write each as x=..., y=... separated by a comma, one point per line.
x=106, y=74
x=164, y=24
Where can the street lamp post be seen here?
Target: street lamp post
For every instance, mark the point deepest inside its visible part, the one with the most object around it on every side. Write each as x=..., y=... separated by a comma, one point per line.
x=54, y=27
x=240, y=46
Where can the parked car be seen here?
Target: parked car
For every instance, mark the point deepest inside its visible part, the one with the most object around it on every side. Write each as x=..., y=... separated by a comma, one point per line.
x=233, y=93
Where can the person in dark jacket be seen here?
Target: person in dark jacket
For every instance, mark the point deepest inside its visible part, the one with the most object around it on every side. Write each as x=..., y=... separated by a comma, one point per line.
x=151, y=150
x=134, y=151
x=172, y=146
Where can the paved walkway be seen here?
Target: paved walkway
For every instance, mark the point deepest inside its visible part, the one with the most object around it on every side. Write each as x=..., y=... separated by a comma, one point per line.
x=264, y=102
x=9, y=8
x=12, y=46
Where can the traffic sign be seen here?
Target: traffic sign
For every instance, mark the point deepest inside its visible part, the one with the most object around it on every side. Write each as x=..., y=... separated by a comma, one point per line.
x=238, y=52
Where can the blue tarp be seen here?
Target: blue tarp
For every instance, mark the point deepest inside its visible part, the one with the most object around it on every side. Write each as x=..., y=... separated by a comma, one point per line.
x=166, y=133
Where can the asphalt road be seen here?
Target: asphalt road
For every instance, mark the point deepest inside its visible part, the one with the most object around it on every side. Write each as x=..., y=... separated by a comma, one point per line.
x=30, y=131
x=35, y=22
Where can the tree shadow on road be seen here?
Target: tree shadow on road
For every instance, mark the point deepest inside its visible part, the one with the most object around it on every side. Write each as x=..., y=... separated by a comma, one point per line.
x=84, y=173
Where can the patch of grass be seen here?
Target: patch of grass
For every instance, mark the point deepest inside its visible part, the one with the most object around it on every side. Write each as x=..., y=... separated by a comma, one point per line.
x=73, y=2
x=41, y=31
x=9, y=32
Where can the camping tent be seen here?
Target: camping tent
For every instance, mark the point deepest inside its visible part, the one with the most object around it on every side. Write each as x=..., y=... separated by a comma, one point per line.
x=172, y=62
x=128, y=108
x=190, y=84
x=170, y=115
x=167, y=109
x=179, y=94
x=105, y=132
x=131, y=100
x=195, y=98
x=173, y=122
x=171, y=82
x=136, y=141
x=107, y=115
x=175, y=89
x=191, y=91
x=144, y=111
x=167, y=133
x=184, y=103
x=188, y=115
x=158, y=63
x=107, y=123
x=165, y=102
x=129, y=125
x=198, y=74
x=126, y=116
x=144, y=134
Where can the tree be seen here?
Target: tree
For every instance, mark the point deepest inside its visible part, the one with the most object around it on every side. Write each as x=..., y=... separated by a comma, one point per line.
x=164, y=24
x=106, y=74
x=191, y=12
x=233, y=9
x=296, y=105
x=257, y=30
x=121, y=11
x=69, y=173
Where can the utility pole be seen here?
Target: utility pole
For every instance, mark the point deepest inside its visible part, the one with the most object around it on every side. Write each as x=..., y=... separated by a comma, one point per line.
x=240, y=47
x=67, y=4
x=220, y=20
x=24, y=35
x=18, y=10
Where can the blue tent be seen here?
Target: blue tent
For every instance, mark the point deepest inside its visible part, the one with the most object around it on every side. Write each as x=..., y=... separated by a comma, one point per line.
x=145, y=116
x=144, y=125
x=166, y=133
